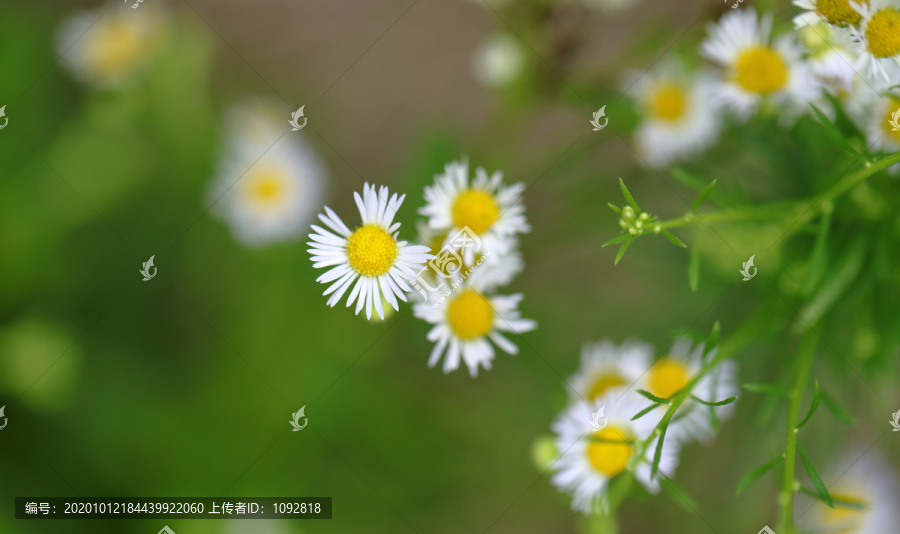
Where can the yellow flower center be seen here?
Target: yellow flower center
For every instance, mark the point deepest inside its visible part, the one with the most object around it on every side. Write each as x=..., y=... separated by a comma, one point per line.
x=470, y=316
x=667, y=377
x=607, y=458
x=114, y=47
x=892, y=117
x=669, y=102
x=604, y=383
x=760, y=70
x=476, y=209
x=371, y=250
x=883, y=33
x=266, y=187
x=838, y=12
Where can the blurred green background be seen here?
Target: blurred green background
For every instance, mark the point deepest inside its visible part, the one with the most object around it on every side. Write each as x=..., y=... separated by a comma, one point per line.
x=183, y=386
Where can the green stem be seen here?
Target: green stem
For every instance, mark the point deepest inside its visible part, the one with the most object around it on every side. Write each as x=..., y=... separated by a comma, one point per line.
x=801, y=377
x=809, y=208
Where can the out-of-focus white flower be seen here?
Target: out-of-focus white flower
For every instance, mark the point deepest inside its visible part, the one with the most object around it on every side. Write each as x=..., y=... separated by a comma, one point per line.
x=498, y=60
x=678, y=111
x=756, y=68
x=111, y=46
x=878, y=35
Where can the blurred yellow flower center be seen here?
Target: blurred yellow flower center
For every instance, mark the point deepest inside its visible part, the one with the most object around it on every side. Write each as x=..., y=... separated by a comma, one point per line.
x=760, y=70
x=266, y=187
x=668, y=377
x=476, y=209
x=838, y=12
x=883, y=33
x=890, y=120
x=604, y=383
x=843, y=515
x=668, y=103
x=609, y=458
x=114, y=47
x=470, y=316
x=371, y=250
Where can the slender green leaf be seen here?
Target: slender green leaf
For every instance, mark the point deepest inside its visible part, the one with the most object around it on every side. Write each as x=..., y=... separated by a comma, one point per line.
x=671, y=237
x=694, y=263
x=616, y=240
x=712, y=340
x=834, y=288
x=818, y=262
x=615, y=208
x=821, y=490
x=812, y=408
x=627, y=243
x=657, y=454
x=839, y=502
x=628, y=197
x=832, y=131
x=769, y=389
x=725, y=402
x=679, y=495
x=654, y=398
x=756, y=474
x=645, y=411
x=703, y=195
x=839, y=413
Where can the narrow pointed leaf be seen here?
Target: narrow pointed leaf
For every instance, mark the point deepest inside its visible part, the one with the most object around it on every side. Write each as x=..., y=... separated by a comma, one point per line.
x=821, y=490
x=703, y=195
x=615, y=208
x=624, y=247
x=756, y=474
x=679, y=495
x=671, y=237
x=812, y=408
x=818, y=262
x=832, y=131
x=645, y=411
x=839, y=413
x=628, y=197
x=657, y=454
x=838, y=501
x=651, y=396
x=694, y=264
x=725, y=402
x=616, y=240
x=712, y=339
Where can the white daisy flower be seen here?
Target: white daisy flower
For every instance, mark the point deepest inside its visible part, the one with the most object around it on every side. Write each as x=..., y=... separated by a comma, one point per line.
x=606, y=367
x=111, y=46
x=491, y=275
x=679, y=118
x=371, y=255
x=878, y=35
x=498, y=60
x=466, y=321
x=266, y=192
x=834, y=12
x=590, y=458
x=486, y=208
x=879, y=129
x=671, y=373
x=866, y=492
x=830, y=53
x=757, y=69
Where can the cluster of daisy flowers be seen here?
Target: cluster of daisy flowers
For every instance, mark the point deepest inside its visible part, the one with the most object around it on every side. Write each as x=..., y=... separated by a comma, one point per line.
x=840, y=50
x=612, y=426
x=469, y=250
